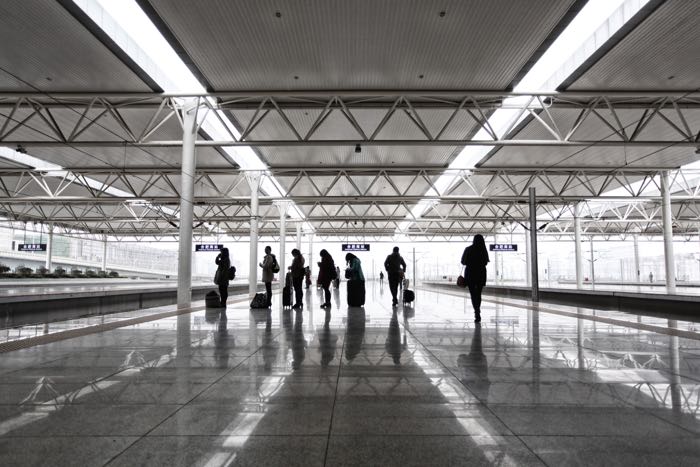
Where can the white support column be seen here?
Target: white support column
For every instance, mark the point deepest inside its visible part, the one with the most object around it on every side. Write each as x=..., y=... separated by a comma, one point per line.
x=253, y=178
x=49, y=249
x=528, y=280
x=104, y=253
x=667, y=219
x=577, y=247
x=533, y=245
x=637, y=272
x=299, y=235
x=283, y=207
x=592, y=263
x=189, y=164
x=310, y=260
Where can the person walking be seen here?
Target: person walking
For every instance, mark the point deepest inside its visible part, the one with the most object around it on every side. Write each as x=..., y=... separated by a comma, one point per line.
x=475, y=258
x=223, y=264
x=326, y=275
x=396, y=268
x=356, y=280
x=298, y=274
x=381, y=278
x=268, y=265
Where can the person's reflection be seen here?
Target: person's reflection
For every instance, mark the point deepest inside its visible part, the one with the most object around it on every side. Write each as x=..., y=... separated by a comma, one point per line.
x=336, y=296
x=474, y=367
x=270, y=347
x=393, y=339
x=355, y=332
x=298, y=341
x=327, y=342
x=222, y=342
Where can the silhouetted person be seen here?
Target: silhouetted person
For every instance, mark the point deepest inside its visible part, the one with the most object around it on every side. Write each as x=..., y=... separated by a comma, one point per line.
x=395, y=268
x=381, y=278
x=223, y=263
x=326, y=275
x=356, y=280
x=474, y=367
x=475, y=258
x=298, y=274
x=268, y=273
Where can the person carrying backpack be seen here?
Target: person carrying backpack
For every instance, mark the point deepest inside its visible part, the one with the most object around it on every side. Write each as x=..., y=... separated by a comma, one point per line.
x=221, y=278
x=396, y=268
x=269, y=268
x=326, y=275
x=475, y=258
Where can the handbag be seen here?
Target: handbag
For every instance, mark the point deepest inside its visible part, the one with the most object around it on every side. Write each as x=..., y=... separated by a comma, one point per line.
x=462, y=280
x=275, y=266
x=348, y=273
x=217, y=276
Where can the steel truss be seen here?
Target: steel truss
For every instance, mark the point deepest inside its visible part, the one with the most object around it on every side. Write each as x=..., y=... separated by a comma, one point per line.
x=252, y=111
x=355, y=201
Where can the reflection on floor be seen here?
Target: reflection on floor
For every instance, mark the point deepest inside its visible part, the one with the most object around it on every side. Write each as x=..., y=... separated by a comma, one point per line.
x=360, y=386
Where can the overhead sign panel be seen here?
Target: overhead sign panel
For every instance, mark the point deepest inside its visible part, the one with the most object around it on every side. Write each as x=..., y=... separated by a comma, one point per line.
x=503, y=247
x=355, y=246
x=207, y=247
x=31, y=247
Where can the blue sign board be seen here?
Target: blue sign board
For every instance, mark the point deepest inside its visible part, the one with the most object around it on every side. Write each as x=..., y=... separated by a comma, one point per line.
x=503, y=247
x=355, y=246
x=207, y=247
x=31, y=247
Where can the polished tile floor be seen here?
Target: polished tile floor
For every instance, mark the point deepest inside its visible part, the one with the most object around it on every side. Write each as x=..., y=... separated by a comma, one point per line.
x=547, y=385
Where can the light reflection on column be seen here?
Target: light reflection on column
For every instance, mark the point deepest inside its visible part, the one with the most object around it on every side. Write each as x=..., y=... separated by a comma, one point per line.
x=674, y=356
x=536, y=354
x=579, y=340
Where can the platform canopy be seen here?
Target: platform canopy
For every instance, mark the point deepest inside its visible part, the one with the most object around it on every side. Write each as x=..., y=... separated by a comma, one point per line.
x=376, y=118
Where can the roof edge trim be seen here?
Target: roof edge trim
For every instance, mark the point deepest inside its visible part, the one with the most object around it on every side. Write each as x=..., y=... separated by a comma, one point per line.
x=177, y=46
x=645, y=12
x=107, y=41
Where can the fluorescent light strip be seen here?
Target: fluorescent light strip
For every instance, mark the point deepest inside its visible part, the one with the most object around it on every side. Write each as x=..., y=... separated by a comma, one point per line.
x=591, y=27
x=126, y=23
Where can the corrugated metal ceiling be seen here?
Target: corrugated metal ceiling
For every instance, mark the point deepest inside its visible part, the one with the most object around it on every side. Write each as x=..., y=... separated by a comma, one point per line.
x=47, y=49
x=363, y=44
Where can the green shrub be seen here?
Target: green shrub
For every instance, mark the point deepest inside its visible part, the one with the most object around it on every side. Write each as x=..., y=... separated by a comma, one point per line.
x=90, y=273
x=102, y=274
x=42, y=271
x=59, y=272
x=76, y=273
x=113, y=274
x=4, y=269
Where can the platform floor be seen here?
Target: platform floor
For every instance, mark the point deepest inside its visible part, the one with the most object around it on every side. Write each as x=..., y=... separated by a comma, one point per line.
x=532, y=385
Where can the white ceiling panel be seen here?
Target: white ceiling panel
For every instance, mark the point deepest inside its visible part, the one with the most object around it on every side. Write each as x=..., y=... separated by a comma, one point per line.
x=337, y=44
x=44, y=48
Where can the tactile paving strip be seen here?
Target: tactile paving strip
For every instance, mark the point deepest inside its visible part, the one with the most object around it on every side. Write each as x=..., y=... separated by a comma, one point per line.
x=87, y=330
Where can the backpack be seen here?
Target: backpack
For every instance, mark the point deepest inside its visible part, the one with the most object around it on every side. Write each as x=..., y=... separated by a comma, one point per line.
x=232, y=273
x=275, y=265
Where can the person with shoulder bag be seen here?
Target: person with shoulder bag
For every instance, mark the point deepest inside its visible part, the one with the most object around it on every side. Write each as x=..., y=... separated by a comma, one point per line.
x=475, y=258
x=221, y=278
x=356, y=281
x=396, y=268
x=268, y=265
x=298, y=273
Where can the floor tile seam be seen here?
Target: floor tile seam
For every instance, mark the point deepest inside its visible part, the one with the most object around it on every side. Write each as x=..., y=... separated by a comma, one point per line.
x=335, y=398
x=602, y=319
x=181, y=406
x=485, y=404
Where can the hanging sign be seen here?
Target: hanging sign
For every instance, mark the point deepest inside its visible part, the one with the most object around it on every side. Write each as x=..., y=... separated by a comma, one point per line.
x=31, y=247
x=207, y=247
x=503, y=247
x=355, y=246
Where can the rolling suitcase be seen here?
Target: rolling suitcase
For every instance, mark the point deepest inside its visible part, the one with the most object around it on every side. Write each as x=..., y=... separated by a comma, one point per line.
x=356, y=293
x=408, y=296
x=286, y=296
x=212, y=300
